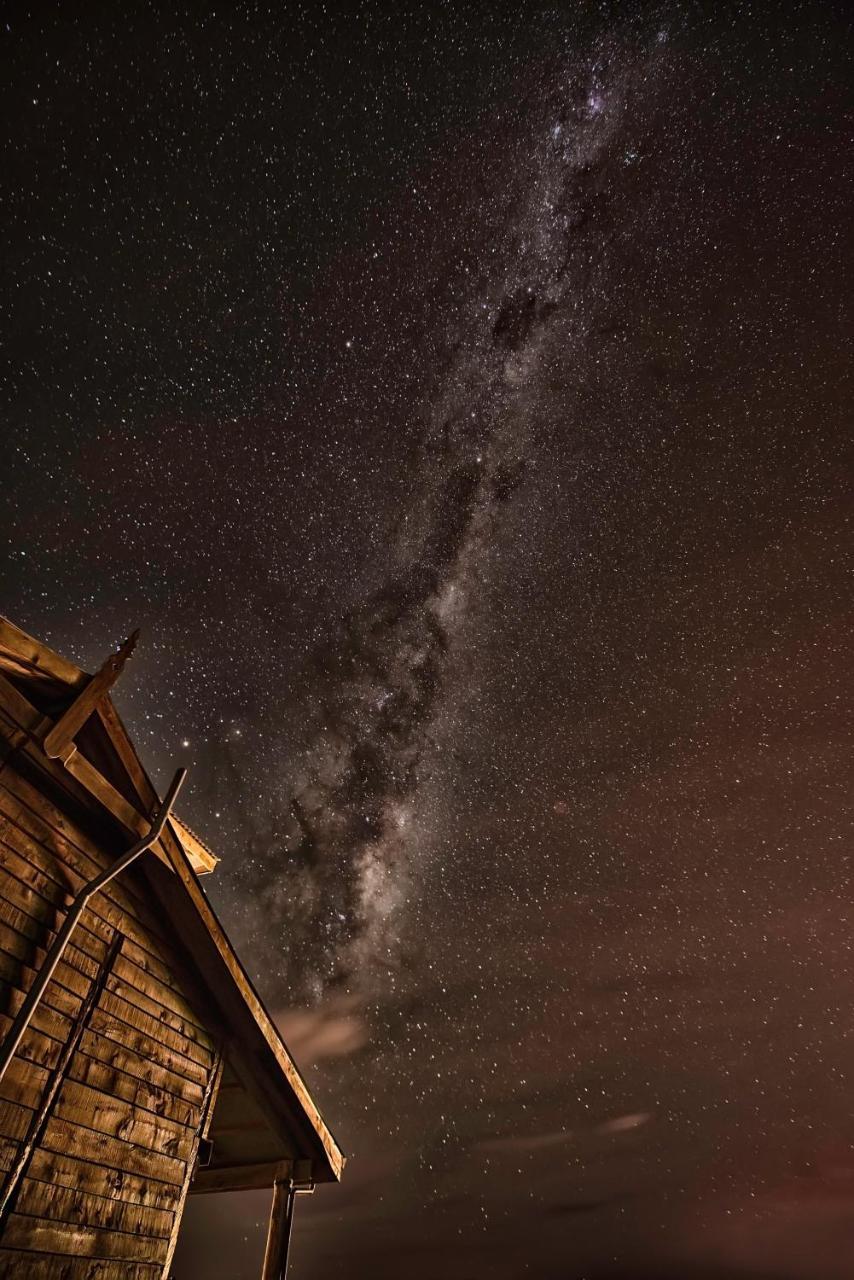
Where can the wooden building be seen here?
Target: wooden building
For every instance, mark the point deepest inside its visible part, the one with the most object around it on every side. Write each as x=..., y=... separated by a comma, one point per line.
x=139, y=1066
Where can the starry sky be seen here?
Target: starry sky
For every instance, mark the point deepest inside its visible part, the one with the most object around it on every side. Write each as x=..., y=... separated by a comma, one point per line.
x=458, y=399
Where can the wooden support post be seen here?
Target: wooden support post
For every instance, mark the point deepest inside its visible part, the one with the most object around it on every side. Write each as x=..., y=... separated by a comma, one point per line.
x=279, y=1233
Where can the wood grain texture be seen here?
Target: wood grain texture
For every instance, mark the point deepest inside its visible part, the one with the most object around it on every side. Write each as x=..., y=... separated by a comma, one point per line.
x=31, y=826
x=116, y=1184
x=201, y=1132
x=82, y=1105
x=102, y=1192
x=71, y=1204
x=147, y=1096
x=64, y=1138
x=122, y=1033
x=279, y=1232
x=189, y=1050
x=41, y=1235
x=113, y=1053
x=16, y=1264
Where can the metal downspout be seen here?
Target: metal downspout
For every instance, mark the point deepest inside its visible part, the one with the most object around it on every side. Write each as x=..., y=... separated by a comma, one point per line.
x=33, y=997
x=286, y=1251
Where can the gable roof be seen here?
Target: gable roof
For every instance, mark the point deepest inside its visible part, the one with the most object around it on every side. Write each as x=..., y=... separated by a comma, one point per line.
x=270, y=1121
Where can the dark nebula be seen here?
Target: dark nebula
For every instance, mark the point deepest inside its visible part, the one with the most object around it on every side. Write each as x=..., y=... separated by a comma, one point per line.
x=332, y=881
x=458, y=398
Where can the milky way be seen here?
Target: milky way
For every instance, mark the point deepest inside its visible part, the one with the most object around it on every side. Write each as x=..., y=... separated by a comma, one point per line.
x=333, y=882
x=457, y=398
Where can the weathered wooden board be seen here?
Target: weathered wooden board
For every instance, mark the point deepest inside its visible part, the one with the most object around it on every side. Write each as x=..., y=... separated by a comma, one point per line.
x=110, y=1080
x=32, y=656
x=24, y=1083
x=16, y=976
x=12, y=841
x=58, y=999
x=46, y=899
x=64, y=864
x=40, y=1235
x=59, y=742
x=15, y=970
x=124, y=1034
x=136, y=1017
x=70, y=1139
x=35, y=1046
x=26, y=805
x=155, y=970
x=180, y=1033
x=248, y=1177
x=23, y=1088
x=168, y=996
x=114, y=1053
x=65, y=860
x=154, y=1006
x=15, y=1120
x=16, y=1264
x=34, y=954
x=62, y=868
x=116, y=1184
x=101, y=1196
x=50, y=1024
x=82, y=1105
x=49, y=821
x=22, y=923
x=76, y=775
x=71, y=1204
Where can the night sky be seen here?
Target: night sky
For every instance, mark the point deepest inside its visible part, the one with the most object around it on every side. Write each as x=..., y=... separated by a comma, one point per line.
x=458, y=397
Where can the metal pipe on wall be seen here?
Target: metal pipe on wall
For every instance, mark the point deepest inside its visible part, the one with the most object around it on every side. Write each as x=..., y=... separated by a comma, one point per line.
x=33, y=997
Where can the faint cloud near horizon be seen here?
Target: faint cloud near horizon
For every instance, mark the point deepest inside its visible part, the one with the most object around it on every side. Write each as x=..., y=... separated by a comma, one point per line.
x=333, y=1031
x=540, y=1141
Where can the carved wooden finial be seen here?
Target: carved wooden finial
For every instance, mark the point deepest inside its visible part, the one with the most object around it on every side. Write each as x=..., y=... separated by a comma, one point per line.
x=59, y=741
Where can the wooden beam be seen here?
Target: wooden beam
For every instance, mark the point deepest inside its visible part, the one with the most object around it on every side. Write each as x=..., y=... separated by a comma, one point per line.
x=241, y=1177
x=31, y=655
x=35, y=725
x=201, y=857
x=279, y=1232
x=59, y=742
x=31, y=727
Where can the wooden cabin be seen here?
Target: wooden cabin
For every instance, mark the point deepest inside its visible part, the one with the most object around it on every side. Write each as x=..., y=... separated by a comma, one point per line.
x=148, y=1070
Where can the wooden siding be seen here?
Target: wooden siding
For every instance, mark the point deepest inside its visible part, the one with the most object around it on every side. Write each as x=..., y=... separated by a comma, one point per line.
x=103, y=1188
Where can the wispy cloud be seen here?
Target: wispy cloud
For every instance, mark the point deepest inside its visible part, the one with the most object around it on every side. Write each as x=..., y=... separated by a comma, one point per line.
x=333, y=1031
